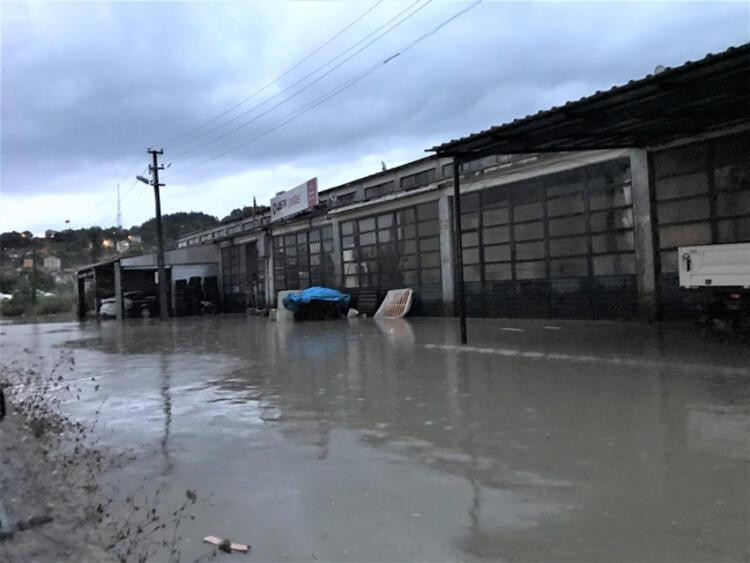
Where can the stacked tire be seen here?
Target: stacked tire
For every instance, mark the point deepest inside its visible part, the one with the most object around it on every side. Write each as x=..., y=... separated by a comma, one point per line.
x=180, y=298
x=211, y=292
x=194, y=295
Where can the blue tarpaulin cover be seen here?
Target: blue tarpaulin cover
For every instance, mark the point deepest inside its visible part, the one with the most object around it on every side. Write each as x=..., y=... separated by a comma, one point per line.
x=294, y=300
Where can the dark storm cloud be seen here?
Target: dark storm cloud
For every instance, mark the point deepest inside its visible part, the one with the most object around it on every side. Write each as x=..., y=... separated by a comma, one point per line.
x=86, y=87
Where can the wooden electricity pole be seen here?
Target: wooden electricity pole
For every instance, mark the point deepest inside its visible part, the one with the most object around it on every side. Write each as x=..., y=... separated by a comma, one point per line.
x=154, y=168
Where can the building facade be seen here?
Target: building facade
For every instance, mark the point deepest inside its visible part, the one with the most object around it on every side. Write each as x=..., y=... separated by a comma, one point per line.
x=588, y=231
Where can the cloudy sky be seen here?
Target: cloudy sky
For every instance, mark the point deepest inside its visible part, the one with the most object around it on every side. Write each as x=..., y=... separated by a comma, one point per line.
x=87, y=87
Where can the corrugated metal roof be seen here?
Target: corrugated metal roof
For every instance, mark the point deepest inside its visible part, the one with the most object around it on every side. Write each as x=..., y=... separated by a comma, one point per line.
x=717, y=83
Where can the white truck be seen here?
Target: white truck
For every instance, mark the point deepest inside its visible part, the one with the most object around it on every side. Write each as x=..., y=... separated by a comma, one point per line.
x=722, y=273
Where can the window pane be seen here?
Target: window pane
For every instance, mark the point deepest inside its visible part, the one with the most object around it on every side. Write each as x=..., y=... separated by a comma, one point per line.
x=351, y=281
x=566, y=226
x=472, y=273
x=565, y=184
x=407, y=262
x=367, y=224
x=733, y=203
x=314, y=247
x=327, y=232
x=496, y=234
x=427, y=211
x=302, y=238
x=683, y=235
x=615, y=197
x=565, y=205
x=388, y=249
x=431, y=276
x=528, y=231
x=498, y=253
x=529, y=250
x=530, y=270
x=347, y=228
x=683, y=210
x=407, y=232
x=614, y=265
x=495, y=196
x=612, y=242
x=497, y=271
x=569, y=268
x=407, y=246
x=385, y=236
x=406, y=216
x=612, y=219
x=385, y=221
x=533, y=191
x=429, y=228
x=429, y=244
x=733, y=177
x=430, y=259
x=495, y=217
x=470, y=239
x=682, y=186
x=734, y=230
x=366, y=238
x=527, y=212
x=347, y=242
x=469, y=202
x=409, y=277
x=680, y=160
x=668, y=261
x=568, y=246
x=469, y=220
x=471, y=256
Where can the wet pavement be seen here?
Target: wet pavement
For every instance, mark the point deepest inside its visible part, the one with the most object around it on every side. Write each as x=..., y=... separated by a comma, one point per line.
x=365, y=441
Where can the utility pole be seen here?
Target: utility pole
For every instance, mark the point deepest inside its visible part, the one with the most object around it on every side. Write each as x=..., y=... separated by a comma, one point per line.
x=154, y=168
x=119, y=210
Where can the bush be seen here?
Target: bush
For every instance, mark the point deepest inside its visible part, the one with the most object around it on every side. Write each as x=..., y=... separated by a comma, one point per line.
x=20, y=305
x=54, y=304
x=13, y=307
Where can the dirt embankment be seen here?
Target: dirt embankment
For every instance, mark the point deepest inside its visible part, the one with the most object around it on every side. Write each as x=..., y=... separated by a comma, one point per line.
x=56, y=501
x=48, y=475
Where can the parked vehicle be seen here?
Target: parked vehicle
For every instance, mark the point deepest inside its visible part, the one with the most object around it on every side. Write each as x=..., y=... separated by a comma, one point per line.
x=722, y=273
x=136, y=304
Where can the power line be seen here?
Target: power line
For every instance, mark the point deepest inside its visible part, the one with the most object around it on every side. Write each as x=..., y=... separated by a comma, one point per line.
x=294, y=115
x=279, y=77
x=132, y=169
x=310, y=84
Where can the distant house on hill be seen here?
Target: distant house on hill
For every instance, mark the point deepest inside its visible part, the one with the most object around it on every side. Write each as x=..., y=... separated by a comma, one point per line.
x=52, y=263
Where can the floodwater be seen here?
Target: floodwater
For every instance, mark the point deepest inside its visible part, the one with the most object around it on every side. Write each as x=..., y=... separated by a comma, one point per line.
x=366, y=441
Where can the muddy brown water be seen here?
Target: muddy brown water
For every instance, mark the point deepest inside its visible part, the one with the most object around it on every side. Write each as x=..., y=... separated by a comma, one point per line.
x=365, y=441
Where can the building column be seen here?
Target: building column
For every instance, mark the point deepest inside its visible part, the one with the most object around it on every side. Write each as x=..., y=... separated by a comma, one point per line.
x=643, y=233
x=119, y=309
x=81, y=298
x=338, y=269
x=270, y=277
x=446, y=254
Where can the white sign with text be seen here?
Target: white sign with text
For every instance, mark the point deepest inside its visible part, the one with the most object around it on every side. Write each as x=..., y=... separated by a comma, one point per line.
x=300, y=198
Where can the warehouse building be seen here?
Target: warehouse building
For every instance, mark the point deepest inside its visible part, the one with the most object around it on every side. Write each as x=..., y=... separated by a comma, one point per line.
x=574, y=212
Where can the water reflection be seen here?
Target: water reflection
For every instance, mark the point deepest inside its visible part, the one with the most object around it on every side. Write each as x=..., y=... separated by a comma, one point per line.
x=476, y=455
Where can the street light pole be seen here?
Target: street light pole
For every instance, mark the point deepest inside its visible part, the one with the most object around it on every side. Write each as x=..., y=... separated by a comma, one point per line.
x=154, y=168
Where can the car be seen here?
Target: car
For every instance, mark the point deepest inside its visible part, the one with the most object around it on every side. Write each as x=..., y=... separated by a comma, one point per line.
x=136, y=304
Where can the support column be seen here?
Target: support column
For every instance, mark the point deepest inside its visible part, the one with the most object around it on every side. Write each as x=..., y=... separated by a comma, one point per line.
x=446, y=255
x=81, y=298
x=338, y=268
x=119, y=309
x=270, y=274
x=644, y=234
